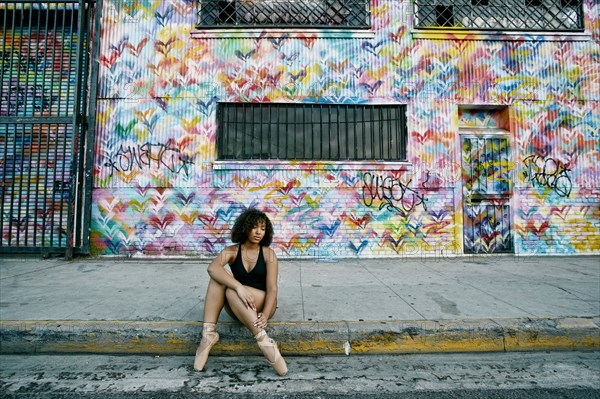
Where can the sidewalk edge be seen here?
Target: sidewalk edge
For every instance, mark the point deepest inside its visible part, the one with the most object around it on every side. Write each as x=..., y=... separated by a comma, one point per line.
x=303, y=338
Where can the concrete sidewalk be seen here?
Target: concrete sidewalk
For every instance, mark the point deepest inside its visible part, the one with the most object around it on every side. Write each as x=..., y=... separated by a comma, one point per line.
x=404, y=305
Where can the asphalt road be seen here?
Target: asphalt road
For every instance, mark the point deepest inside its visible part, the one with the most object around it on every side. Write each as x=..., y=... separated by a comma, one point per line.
x=462, y=394
x=546, y=375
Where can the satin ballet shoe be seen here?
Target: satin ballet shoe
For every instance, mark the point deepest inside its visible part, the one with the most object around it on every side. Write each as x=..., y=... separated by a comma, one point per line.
x=278, y=362
x=209, y=338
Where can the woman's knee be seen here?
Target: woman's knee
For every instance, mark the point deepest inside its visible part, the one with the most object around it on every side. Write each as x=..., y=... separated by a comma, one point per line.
x=216, y=284
x=230, y=312
x=233, y=304
x=231, y=295
x=215, y=290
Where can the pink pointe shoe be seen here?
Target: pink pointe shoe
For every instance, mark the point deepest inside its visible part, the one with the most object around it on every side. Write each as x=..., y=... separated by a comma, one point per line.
x=278, y=363
x=209, y=338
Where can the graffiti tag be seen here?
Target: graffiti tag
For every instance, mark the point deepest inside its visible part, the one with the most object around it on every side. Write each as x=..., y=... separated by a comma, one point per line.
x=144, y=156
x=23, y=61
x=390, y=193
x=20, y=97
x=548, y=172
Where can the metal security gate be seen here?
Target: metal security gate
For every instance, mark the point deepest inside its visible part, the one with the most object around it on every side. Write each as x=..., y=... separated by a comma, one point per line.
x=486, y=170
x=44, y=115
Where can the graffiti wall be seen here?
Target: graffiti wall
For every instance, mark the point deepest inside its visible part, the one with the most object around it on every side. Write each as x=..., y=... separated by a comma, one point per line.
x=158, y=189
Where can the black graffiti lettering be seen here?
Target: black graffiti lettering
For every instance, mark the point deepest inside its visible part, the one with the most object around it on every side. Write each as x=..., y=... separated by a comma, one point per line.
x=391, y=194
x=125, y=159
x=109, y=163
x=19, y=94
x=144, y=158
x=23, y=61
x=368, y=199
x=184, y=162
x=139, y=157
x=18, y=97
x=548, y=172
x=161, y=159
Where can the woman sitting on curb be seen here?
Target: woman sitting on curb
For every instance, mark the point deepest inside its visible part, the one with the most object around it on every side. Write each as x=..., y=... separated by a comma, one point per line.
x=250, y=294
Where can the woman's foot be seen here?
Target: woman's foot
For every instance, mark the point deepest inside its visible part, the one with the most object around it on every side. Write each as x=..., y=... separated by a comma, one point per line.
x=269, y=349
x=210, y=336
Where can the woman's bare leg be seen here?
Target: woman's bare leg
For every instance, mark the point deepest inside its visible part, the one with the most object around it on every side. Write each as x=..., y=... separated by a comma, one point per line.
x=213, y=304
x=214, y=301
x=247, y=316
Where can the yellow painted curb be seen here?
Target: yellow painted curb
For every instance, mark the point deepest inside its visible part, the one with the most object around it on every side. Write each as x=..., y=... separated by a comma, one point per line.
x=304, y=338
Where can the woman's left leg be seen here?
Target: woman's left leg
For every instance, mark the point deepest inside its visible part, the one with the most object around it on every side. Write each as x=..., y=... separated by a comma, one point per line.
x=243, y=314
x=247, y=316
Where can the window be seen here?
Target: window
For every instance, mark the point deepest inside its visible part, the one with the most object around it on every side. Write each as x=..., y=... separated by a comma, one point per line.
x=519, y=15
x=284, y=13
x=311, y=132
x=444, y=16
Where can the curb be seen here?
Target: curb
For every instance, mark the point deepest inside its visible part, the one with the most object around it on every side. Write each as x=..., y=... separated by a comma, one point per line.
x=304, y=338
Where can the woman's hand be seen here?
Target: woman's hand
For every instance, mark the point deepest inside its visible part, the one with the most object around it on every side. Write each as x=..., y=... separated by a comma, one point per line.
x=246, y=297
x=261, y=322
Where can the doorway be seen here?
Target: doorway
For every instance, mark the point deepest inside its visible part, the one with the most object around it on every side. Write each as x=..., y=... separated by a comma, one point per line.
x=487, y=188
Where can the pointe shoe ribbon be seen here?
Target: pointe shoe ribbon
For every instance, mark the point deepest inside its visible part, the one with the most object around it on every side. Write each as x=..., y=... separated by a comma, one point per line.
x=278, y=362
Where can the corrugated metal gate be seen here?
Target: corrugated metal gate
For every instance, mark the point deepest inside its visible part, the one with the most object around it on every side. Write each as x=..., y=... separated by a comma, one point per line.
x=44, y=115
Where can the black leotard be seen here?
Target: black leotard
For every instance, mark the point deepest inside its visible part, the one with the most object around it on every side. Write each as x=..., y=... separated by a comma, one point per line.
x=257, y=277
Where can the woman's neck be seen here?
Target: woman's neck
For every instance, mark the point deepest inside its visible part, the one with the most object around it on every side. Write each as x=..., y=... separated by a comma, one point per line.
x=250, y=246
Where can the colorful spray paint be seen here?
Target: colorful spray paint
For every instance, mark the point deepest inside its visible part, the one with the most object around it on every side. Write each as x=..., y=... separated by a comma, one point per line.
x=158, y=190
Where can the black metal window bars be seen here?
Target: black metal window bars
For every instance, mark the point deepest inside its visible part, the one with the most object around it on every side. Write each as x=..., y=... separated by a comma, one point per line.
x=494, y=15
x=330, y=14
x=333, y=132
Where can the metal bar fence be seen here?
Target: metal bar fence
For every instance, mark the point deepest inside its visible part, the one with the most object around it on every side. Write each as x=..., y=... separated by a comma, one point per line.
x=42, y=111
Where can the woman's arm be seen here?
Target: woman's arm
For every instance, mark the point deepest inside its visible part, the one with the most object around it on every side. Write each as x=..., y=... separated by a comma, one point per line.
x=216, y=268
x=272, y=278
x=216, y=271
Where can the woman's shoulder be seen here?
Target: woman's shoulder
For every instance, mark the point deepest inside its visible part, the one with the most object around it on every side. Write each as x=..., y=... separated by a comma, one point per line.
x=230, y=251
x=269, y=254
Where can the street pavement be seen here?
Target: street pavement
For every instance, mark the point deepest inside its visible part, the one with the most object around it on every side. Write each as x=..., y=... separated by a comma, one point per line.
x=511, y=375
x=325, y=307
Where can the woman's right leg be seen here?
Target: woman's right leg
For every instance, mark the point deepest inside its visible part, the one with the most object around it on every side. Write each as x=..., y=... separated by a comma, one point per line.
x=213, y=304
x=214, y=301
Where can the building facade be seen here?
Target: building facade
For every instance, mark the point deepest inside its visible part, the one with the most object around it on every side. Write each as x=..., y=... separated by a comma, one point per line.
x=384, y=128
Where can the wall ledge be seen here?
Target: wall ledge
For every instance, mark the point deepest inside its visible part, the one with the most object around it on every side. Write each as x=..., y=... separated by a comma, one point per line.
x=448, y=34
x=310, y=165
x=267, y=33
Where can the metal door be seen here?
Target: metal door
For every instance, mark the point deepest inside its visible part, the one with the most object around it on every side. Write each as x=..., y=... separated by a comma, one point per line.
x=486, y=170
x=44, y=114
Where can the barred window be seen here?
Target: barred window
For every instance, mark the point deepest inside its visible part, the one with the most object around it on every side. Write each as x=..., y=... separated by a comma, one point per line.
x=522, y=15
x=311, y=131
x=284, y=13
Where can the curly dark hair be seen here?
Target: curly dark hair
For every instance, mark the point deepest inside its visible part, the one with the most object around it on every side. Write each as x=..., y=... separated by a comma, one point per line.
x=249, y=219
